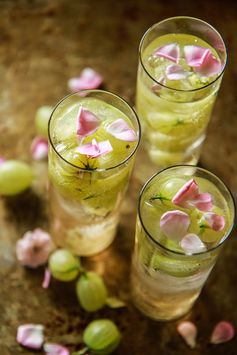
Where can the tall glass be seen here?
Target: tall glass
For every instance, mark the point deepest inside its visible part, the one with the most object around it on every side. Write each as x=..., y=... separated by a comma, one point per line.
x=166, y=277
x=86, y=191
x=181, y=65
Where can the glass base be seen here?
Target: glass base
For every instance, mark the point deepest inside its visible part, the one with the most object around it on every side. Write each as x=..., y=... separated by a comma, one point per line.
x=73, y=229
x=159, y=298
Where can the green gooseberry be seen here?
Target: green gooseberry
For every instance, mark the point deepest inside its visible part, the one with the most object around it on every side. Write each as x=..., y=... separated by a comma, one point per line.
x=102, y=336
x=64, y=266
x=91, y=291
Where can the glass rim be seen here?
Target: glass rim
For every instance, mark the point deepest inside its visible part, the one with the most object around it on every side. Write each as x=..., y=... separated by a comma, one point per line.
x=181, y=17
x=102, y=92
x=156, y=242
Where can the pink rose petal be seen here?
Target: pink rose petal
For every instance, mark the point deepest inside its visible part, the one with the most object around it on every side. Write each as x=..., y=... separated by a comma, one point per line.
x=210, y=66
x=39, y=148
x=195, y=55
x=223, y=332
x=202, y=201
x=170, y=51
x=33, y=248
x=202, y=60
x=186, y=193
x=2, y=160
x=176, y=72
x=55, y=349
x=191, y=244
x=30, y=336
x=188, y=331
x=121, y=130
x=47, y=278
x=174, y=224
x=189, y=197
x=87, y=123
x=214, y=221
x=95, y=149
x=88, y=79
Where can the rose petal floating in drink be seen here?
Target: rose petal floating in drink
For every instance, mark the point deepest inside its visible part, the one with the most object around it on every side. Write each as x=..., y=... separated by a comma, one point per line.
x=195, y=55
x=47, y=278
x=202, y=60
x=174, y=224
x=186, y=193
x=121, y=130
x=191, y=244
x=202, y=201
x=188, y=197
x=211, y=66
x=30, y=335
x=39, y=148
x=223, y=332
x=87, y=122
x=214, y=221
x=176, y=72
x=33, y=248
x=188, y=331
x=95, y=149
x=169, y=51
x=55, y=349
x=89, y=79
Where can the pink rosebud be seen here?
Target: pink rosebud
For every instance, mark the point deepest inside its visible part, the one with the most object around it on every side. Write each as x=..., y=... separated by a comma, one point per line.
x=121, y=130
x=55, y=349
x=202, y=60
x=39, y=148
x=88, y=79
x=33, y=248
x=87, y=122
x=176, y=72
x=47, y=278
x=30, y=335
x=192, y=244
x=174, y=224
x=223, y=332
x=186, y=193
x=95, y=149
x=188, y=332
x=214, y=221
x=169, y=51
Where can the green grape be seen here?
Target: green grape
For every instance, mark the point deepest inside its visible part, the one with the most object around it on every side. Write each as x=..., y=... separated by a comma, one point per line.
x=63, y=265
x=91, y=291
x=175, y=267
x=102, y=336
x=41, y=120
x=15, y=177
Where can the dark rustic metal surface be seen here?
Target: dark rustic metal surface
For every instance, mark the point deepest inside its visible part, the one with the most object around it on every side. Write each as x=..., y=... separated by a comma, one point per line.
x=42, y=45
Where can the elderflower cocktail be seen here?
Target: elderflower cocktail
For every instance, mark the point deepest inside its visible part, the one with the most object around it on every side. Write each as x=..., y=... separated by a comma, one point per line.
x=184, y=216
x=181, y=65
x=93, y=139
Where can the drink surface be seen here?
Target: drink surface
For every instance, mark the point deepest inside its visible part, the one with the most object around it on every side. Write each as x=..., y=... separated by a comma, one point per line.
x=175, y=114
x=66, y=140
x=157, y=65
x=158, y=200
x=95, y=181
